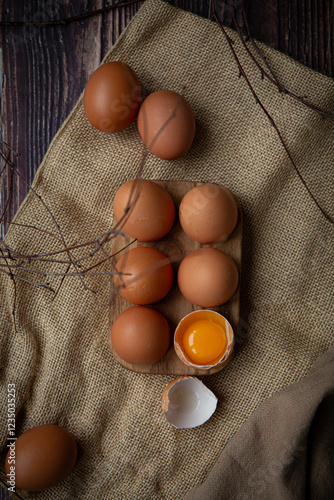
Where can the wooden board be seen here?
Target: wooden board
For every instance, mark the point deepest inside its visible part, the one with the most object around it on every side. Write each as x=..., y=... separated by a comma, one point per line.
x=176, y=245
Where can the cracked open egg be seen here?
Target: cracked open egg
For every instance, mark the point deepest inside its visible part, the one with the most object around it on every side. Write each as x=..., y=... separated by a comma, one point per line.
x=188, y=403
x=204, y=339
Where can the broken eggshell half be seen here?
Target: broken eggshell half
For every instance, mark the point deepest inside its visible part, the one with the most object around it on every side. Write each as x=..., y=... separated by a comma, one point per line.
x=211, y=317
x=188, y=403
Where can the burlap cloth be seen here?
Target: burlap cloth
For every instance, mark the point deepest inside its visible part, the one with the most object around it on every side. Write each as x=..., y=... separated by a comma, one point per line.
x=59, y=358
x=285, y=450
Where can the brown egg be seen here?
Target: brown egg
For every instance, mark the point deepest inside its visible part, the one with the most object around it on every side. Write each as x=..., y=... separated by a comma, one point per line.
x=208, y=277
x=166, y=124
x=140, y=335
x=208, y=213
x=43, y=457
x=152, y=210
x=148, y=275
x=112, y=97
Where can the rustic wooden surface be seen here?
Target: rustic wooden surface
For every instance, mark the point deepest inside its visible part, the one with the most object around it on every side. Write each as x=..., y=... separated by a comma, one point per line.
x=44, y=70
x=176, y=245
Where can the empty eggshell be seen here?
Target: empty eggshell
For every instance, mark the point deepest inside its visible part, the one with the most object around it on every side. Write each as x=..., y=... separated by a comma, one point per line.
x=188, y=403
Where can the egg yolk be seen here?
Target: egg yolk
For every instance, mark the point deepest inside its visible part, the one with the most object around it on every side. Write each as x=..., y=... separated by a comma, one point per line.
x=204, y=341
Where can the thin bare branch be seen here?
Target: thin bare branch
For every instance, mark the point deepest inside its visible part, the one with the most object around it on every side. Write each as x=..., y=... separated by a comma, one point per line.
x=14, y=286
x=271, y=76
x=7, y=163
x=271, y=120
x=15, y=153
x=47, y=209
x=49, y=273
x=16, y=276
x=68, y=20
x=29, y=226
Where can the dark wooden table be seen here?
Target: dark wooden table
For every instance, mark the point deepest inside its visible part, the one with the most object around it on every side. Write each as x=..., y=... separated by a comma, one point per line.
x=44, y=69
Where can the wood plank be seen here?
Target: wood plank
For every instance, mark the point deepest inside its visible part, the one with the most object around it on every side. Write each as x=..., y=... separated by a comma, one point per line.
x=176, y=245
x=46, y=68
x=45, y=71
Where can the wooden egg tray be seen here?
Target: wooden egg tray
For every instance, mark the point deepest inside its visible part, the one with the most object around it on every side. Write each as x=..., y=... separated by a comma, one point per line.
x=176, y=245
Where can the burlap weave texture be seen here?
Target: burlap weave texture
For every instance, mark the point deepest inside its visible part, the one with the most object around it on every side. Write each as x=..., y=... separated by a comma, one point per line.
x=59, y=359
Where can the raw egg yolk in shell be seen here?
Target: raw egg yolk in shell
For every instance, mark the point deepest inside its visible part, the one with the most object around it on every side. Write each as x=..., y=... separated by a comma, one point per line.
x=204, y=341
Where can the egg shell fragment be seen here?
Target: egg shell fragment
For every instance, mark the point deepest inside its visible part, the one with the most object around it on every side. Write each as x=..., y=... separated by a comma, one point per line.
x=211, y=316
x=188, y=403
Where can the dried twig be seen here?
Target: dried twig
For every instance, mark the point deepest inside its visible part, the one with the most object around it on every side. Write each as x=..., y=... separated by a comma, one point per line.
x=29, y=226
x=10, y=273
x=271, y=120
x=271, y=76
x=7, y=162
x=46, y=208
x=62, y=281
x=50, y=273
x=16, y=276
x=68, y=20
x=9, y=147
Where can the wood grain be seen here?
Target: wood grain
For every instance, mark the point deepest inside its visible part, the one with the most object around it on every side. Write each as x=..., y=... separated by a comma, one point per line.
x=176, y=245
x=45, y=69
